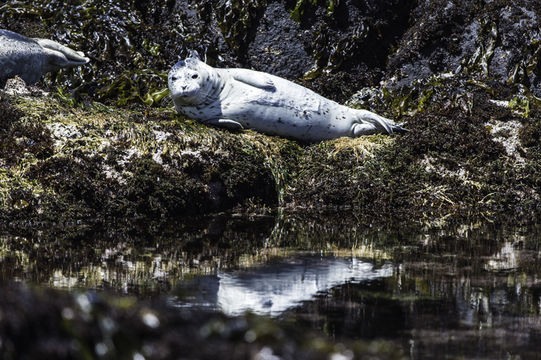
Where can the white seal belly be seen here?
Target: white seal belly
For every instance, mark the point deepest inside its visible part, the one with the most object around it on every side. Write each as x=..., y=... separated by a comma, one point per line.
x=241, y=98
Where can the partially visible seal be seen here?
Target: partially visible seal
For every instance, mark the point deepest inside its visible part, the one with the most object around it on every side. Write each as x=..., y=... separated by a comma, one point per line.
x=241, y=98
x=31, y=58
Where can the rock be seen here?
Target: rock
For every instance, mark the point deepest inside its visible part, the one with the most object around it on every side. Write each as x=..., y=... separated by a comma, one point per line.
x=463, y=76
x=63, y=325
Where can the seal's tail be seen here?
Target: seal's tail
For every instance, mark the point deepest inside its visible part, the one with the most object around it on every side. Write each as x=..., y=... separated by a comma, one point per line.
x=370, y=123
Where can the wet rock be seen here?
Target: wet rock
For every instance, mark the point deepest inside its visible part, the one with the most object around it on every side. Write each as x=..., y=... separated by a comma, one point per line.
x=73, y=325
x=497, y=40
x=279, y=45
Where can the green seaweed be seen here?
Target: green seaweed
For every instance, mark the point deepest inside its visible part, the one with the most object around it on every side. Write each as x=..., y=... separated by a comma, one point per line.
x=237, y=19
x=479, y=61
x=145, y=86
x=126, y=66
x=303, y=6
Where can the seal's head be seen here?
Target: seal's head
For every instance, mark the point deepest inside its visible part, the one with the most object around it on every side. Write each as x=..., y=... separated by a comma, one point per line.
x=188, y=81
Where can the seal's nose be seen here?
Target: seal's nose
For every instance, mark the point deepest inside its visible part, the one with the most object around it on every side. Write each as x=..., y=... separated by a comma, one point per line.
x=184, y=87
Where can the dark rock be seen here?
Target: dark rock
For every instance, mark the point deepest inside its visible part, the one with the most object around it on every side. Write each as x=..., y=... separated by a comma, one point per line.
x=279, y=45
x=67, y=326
x=487, y=39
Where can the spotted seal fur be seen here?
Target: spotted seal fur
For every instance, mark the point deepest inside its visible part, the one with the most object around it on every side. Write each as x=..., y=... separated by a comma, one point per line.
x=242, y=98
x=31, y=58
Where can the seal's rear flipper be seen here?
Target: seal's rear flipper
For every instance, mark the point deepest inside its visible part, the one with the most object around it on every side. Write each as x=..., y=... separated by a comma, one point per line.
x=224, y=123
x=61, y=55
x=371, y=123
x=398, y=128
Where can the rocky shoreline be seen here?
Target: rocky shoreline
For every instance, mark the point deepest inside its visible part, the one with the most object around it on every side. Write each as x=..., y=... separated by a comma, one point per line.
x=471, y=102
x=100, y=147
x=65, y=164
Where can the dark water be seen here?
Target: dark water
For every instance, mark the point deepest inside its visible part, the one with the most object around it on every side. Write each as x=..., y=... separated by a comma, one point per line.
x=468, y=291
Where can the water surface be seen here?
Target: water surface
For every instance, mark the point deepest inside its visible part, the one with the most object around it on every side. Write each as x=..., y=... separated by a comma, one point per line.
x=470, y=291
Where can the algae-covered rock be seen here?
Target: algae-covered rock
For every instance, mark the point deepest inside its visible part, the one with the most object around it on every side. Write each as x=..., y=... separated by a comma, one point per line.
x=463, y=76
x=497, y=40
x=64, y=164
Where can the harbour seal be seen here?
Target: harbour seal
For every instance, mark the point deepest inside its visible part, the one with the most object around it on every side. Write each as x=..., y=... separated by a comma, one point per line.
x=31, y=58
x=242, y=98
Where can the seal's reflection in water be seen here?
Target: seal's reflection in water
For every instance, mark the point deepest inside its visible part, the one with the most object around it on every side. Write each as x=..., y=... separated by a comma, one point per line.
x=277, y=286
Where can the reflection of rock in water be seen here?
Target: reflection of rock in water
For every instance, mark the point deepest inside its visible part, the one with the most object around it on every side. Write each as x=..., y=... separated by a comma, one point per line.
x=274, y=287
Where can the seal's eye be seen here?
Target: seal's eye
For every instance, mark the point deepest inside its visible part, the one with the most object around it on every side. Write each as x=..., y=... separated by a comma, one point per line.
x=174, y=78
x=195, y=76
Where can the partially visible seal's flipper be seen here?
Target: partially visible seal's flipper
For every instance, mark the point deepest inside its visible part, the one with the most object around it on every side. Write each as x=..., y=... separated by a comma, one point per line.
x=398, y=128
x=371, y=123
x=225, y=123
x=76, y=57
x=59, y=56
x=31, y=58
x=258, y=80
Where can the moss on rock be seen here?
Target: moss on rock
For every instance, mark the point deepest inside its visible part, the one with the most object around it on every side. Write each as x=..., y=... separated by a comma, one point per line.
x=102, y=164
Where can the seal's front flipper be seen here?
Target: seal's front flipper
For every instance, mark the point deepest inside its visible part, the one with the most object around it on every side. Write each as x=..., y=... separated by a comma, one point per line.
x=224, y=123
x=253, y=78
